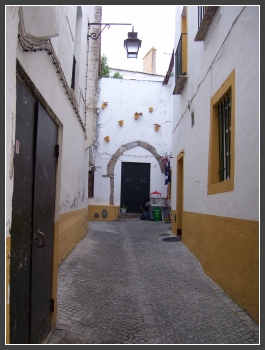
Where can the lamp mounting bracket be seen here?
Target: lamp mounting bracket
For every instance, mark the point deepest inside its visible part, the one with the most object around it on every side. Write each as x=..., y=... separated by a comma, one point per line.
x=94, y=36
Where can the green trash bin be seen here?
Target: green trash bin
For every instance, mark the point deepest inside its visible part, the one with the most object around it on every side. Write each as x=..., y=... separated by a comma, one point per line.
x=157, y=214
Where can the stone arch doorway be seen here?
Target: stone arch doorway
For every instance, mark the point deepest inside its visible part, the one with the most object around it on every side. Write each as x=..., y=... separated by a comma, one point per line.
x=111, y=164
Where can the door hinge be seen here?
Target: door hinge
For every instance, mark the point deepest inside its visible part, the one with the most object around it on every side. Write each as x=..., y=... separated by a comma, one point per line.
x=52, y=305
x=57, y=151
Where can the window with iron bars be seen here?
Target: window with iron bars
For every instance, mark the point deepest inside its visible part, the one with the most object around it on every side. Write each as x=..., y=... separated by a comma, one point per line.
x=91, y=184
x=201, y=12
x=180, y=64
x=221, y=161
x=205, y=17
x=224, y=129
x=73, y=74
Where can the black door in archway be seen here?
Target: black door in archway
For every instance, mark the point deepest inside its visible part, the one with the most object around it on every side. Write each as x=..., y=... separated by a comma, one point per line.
x=135, y=185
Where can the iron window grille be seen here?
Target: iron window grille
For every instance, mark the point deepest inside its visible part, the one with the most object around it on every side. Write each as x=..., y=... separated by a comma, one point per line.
x=91, y=184
x=73, y=74
x=201, y=12
x=205, y=17
x=224, y=128
x=178, y=57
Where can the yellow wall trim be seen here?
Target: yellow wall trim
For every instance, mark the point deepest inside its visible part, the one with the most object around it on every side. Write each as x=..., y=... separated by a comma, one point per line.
x=180, y=189
x=214, y=184
x=184, y=40
x=228, y=250
x=95, y=212
x=174, y=221
x=55, y=272
x=8, y=244
x=72, y=228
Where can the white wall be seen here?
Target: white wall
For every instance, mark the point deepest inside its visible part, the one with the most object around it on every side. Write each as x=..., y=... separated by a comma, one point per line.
x=72, y=178
x=124, y=98
x=231, y=43
x=11, y=44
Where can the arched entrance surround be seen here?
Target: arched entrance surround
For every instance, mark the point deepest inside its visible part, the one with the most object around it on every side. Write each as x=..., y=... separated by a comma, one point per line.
x=111, y=164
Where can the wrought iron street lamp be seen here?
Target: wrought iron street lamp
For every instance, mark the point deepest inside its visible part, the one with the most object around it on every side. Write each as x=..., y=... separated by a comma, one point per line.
x=131, y=44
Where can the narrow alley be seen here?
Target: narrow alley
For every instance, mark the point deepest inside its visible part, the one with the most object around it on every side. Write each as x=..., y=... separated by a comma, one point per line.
x=108, y=114
x=125, y=284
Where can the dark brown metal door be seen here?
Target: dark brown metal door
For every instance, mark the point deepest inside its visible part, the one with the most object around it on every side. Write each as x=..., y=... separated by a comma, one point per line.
x=135, y=185
x=21, y=229
x=32, y=221
x=43, y=225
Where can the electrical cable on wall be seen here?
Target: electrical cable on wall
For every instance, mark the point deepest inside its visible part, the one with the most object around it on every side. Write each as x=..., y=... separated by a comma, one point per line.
x=210, y=67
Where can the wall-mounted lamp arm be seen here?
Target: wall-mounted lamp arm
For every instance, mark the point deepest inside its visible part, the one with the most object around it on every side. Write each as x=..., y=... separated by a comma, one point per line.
x=94, y=36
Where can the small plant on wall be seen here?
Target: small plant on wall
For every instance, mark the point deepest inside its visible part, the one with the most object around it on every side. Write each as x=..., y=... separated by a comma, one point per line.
x=137, y=114
x=157, y=126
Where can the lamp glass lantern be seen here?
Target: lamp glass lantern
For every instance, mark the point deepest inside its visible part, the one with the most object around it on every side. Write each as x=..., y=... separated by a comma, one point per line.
x=132, y=44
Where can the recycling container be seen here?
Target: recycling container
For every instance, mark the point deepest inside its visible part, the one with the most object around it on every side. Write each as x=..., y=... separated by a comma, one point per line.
x=157, y=214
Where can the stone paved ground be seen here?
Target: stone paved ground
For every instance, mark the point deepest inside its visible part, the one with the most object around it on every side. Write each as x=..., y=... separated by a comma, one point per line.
x=123, y=284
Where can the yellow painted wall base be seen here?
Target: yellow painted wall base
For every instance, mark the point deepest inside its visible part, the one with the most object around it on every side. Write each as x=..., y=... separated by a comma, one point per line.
x=72, y=228
x=95, y=212
x=55, y=272
x=7, y=289
x=174, y=221
x=68, y=231
x=228, y=250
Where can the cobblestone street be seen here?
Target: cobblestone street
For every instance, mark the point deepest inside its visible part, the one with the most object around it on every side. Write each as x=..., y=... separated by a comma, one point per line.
x=123, y=284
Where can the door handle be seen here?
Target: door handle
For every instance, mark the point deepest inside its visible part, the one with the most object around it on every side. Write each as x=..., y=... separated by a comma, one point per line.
x=36, y=238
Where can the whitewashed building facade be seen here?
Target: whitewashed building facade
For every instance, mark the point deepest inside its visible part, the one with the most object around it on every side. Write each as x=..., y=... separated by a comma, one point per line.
x=51, y=100
x=123, y=140
x=215, y=186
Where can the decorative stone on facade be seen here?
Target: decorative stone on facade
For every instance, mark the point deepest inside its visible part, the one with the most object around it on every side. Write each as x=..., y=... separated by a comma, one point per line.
x=111, y=164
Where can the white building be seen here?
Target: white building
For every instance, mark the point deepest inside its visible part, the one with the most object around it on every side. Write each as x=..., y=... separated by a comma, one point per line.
x=215, y=205
x=128, y=145
x=51, y=99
